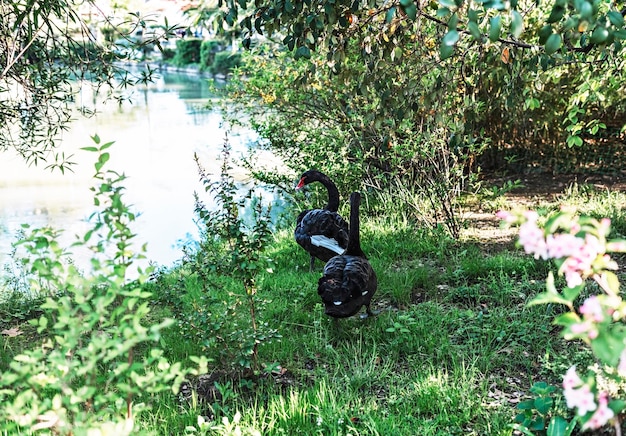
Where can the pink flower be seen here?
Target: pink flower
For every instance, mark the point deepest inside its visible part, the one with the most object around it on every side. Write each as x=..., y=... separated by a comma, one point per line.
x=563, y=245
x=531, y=215
x=602, y=414
x=581, y=398
x=616, y=246
x=592, y=248
x=592, y=309
x=587, y=327
x=506, y=216
x=573, y=279
x=532, y=239
x=571, y=379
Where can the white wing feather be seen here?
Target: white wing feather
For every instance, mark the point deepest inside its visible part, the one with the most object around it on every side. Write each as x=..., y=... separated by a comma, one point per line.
x=329, y=243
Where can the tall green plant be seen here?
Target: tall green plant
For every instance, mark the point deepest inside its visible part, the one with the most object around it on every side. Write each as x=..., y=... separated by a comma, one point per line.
x=233, y=246
x=97, y=364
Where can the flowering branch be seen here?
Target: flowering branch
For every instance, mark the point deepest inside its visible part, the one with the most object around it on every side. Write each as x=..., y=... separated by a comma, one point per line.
x=579, y=247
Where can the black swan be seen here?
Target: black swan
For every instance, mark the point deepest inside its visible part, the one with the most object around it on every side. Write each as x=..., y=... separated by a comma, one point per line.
x=349, y=282
x=323, y=233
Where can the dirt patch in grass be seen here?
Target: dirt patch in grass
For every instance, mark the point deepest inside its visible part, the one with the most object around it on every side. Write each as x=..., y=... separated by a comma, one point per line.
x=535, y=189
x=546, y=187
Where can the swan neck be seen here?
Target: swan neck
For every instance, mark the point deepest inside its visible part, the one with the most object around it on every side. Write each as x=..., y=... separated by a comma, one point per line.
x=354, y=239
x=333, y=195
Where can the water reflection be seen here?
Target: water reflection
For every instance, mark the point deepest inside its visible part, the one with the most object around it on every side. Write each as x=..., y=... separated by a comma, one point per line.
x=156, y=135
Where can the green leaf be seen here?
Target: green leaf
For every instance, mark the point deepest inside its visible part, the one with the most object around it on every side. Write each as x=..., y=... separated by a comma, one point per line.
x=553, y=43
x=557, y=426
x=617, y=406
x=574, y=140
x=230, y=19
x=396, y=53
x=544, y=33
x=104, y=158
x=599, y=35
x=620, y=34
x=567, y=319
x=612, y=281
x=303, y=52
x=616, y=18
x=541, y=388
x=517, y=24
x=495, y=25
x=538, y=424
x=107, y=145
x=556, y=14
x=607, y=347
x=445, y=51
x=443, y=12
x=450, y=38
x=41, y=242
x=526, y=405
x=543, y=405
x=551, y=295
x=586, y=10
x=474, y=30
x=411, y=11
x=453, y=22
x=571, y=294
x=448, y=4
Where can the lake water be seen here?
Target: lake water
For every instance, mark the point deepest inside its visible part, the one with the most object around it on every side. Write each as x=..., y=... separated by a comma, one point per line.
x=155, y=137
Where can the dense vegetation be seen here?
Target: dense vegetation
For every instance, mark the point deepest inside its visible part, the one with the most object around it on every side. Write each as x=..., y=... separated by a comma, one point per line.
x=455, y=350
x=408, y=103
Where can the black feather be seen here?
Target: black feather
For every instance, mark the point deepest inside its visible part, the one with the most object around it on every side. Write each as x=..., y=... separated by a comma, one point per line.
x=349, y=281
x=325, y=222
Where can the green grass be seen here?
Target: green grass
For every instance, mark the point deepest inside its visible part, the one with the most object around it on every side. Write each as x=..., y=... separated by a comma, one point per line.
x=453, y=347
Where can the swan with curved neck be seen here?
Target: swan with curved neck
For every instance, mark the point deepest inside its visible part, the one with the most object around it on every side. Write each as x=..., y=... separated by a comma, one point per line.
x=323, y=233
x=349, y=281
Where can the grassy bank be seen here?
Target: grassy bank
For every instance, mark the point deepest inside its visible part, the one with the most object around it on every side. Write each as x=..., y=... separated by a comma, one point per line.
x=454, y=350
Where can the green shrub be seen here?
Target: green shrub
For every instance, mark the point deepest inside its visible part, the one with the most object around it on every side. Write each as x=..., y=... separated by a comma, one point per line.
x=208, y=50
x=231, y=255
x=168, y=54
x=187, y=52
x=96, y=362
x=225, y=62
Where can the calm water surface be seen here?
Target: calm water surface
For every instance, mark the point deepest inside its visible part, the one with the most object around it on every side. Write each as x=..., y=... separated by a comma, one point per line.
x=155, y=137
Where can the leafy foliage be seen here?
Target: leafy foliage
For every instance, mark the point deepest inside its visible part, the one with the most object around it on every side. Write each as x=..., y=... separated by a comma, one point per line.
x=225, y=62
x=45, y=46
x=355, y=135
x=83, y=374
x=187, y=51
x=537, y=415
x=231, y=247
x=521, y=78
x=578, y=26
